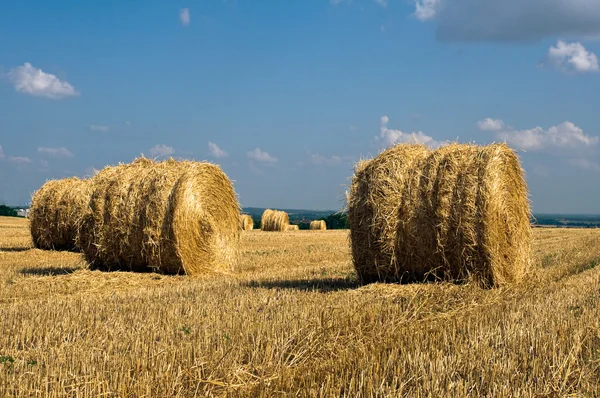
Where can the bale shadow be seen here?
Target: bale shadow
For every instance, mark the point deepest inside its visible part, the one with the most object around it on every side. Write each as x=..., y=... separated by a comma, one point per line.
x=15, y=249
x=49, y=271
x=321, y=285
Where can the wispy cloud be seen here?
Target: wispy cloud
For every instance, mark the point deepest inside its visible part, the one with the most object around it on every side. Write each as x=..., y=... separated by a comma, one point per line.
x=261, y=156
x=391, y=136
x=1, y=152
x=318, y=159
x=19, y=160
x=56, y=152
x=33, y=81
x=184, y=16
x=216, y=151
x=572, y=58
x=96, y=127
x=586, y=164
x=161, y=150
x=426, y=9
x=381, y=3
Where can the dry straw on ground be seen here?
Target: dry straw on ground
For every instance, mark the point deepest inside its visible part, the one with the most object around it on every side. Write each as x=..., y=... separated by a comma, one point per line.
x=246, y=222
x=172, y=217
x=456, y=213
x=274, y=220
x=317, y=225
x=55, y=212
x=293, y=228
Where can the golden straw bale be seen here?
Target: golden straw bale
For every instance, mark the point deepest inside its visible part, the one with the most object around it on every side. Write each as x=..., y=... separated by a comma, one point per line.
x=274, y=220
x=56, y=209
x=172, y=217
x=455, y=213
x=318, y=225
x=246, y=222
x=293, y=228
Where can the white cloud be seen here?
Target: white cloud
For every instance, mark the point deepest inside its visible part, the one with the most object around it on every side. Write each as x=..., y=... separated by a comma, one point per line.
x=320, y=160
x=490, y=124
x=56, y=152
x=563, y=136
x=19, y=160
x=336, y=2
x=382, y=3
x=95, y=127
x=391, y=137
x=586, y=164
x=184, y=16
x=30, y=80
x=426, y=9
x=161, y=150
x=510, y=20
x=260, y=156
x=216, y=151
x=572, y=57
x=1, y=152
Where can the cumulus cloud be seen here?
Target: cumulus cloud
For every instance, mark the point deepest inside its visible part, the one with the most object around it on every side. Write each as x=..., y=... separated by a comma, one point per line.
x=56, y=152
x=510, y=20
x=184, y=16
x=33, y=81
x=391, y=136
x=216, y=151
x=490, y=124
x=261, y=156
x=161, y=150
x=96, y=127
x=572, y=57
x=426, y=9
x=563, y=136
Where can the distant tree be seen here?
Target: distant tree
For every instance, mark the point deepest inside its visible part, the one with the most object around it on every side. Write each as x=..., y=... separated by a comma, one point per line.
x=7, y=211
x=337, y=221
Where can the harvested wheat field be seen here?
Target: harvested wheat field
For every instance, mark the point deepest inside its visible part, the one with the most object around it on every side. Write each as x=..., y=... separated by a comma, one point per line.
x=293, y=321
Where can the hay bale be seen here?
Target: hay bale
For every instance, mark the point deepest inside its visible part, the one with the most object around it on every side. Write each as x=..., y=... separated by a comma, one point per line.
x=293, y=228
x=55, y=212
x=274, y=220
x=246, y=222
x=318, y=225
x=171, y=217
x=457, y=213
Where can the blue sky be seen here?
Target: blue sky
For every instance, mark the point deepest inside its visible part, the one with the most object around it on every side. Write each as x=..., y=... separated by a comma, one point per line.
x=287, y=95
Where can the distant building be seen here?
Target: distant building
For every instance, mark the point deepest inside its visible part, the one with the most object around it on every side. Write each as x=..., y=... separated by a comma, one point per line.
x=23, y=213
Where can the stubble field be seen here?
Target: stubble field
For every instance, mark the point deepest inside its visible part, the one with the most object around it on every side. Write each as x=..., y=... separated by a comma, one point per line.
x=293, y=321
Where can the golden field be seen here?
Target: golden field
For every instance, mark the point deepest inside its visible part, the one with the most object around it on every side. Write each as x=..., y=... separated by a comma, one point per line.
x=293, y=321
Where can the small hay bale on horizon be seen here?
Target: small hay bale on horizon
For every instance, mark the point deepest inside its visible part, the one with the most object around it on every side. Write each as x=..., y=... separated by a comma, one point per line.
x=246, y=222
x=457, y=213
x=274, y=220
x=173, y=217
x=293, y=227
x=318, y=225
x=56, y=209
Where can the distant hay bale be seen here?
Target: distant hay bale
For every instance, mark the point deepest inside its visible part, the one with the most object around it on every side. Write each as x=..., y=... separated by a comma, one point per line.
x=293, y=228
x=455, y=213
x=318, y=225
x=55, y=212
x=246, y=222
x=171, y=217
x=274, y=220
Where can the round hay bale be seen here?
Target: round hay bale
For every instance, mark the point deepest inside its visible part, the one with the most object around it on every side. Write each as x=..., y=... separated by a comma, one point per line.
x=293, y=228
x=318, y=225
x=274, y=220
x=171, y=217
x=56, y=209
x=457, y=213
x=246, y=222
